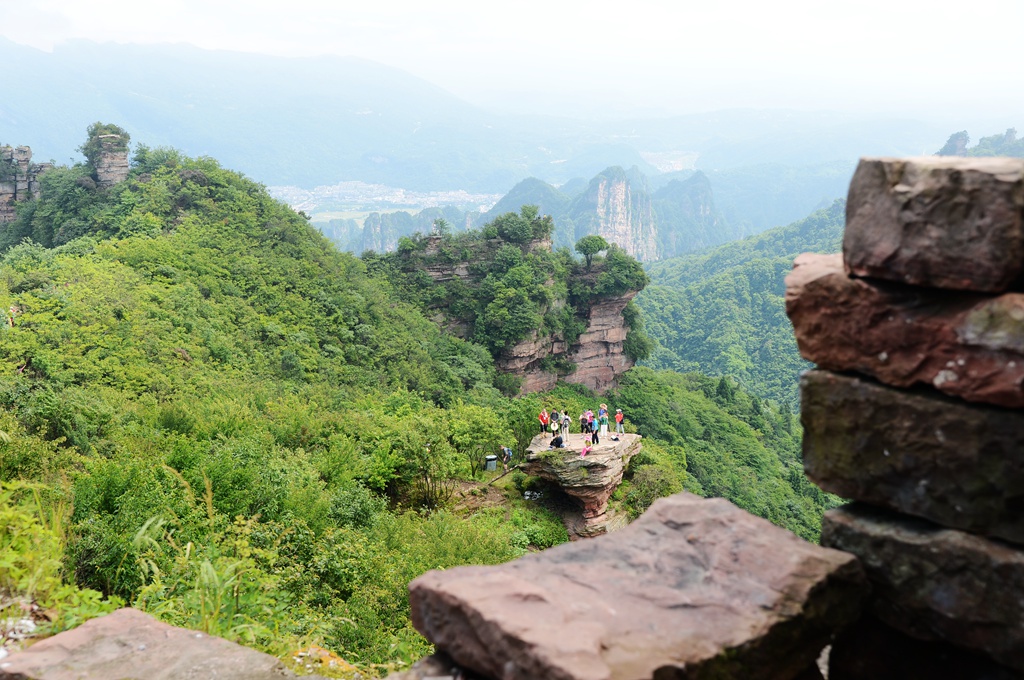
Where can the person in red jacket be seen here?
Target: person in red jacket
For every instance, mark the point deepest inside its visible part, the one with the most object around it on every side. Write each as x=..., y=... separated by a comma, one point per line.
x=544, y=419
x=619, y=429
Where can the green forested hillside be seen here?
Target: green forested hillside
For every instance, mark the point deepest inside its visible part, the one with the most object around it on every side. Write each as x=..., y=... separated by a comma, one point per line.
x=210, y=413
x=1005, y=144
x=722, y=312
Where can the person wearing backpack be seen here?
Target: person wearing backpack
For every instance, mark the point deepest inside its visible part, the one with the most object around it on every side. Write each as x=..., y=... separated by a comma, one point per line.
x=566, y=422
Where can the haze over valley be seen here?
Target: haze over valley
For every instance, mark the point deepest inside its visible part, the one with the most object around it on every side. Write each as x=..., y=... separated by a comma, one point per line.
x=346, y=331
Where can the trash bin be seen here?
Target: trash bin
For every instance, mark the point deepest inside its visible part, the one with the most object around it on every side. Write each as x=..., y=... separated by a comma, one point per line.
x=492, y=463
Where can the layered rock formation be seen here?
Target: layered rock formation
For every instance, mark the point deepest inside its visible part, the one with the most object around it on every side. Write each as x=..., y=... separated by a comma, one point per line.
x=590, y=480
x=597, y=357
x=19, y=179
x=111, y=164
x=937, y=583
x=926, y=455
x=964, y=344
x=955, y=227
x=620, y=212
x=598, y=354
x=130, y=644
x=695, y=588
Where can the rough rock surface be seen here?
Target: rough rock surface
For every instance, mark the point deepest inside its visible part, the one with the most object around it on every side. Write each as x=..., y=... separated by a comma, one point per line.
x=112, y=162
x=19, y=179
x=936, y=583
x=131, y=644
x=620, y=212
x=967, y=345
x=958, y=464
x=590, y=480
x=599, y=352
x=695, y=588
x=943, y=222
x=870, y=650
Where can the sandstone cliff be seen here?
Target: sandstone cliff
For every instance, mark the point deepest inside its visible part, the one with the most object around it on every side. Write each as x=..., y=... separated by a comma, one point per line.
x=598, y=354
x=596, y=358
x=618, y=207
x=19, y=179
x=590, y=480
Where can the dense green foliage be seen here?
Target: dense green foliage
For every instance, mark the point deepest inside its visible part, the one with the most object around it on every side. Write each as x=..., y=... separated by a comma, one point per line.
x=722, y=312
x=502, y=283
x=117, y=139
x=238, y=414
x=1005, y=144
x=210, y=413
x=711, y=437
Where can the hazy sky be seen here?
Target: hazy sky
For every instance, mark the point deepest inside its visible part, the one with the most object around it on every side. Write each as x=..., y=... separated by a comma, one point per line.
x=629, y=57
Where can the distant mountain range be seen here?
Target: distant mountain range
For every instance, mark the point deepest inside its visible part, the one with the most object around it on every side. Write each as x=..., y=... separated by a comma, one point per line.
x=652, y=218
x=318, y=121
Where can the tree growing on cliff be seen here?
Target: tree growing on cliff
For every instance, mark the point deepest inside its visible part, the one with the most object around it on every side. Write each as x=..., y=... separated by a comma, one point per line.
x=591, y=245
x=93, y=147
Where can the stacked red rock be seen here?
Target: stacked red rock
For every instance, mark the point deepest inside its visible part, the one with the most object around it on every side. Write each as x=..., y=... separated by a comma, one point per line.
x=919, y=412
x=694, y=588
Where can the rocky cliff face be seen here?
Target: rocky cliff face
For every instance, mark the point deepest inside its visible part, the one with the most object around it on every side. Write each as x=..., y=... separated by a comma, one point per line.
x=598, y=354
x=19, y=179
x=618, y=207
x=590, y=480
x=687, y=217
x=112, y=162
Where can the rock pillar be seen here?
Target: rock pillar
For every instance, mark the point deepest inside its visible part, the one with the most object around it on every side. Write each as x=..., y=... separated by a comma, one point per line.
x=112, y=163
x=920, y=413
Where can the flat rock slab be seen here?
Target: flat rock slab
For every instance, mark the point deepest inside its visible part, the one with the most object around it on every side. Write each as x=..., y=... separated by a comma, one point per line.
x=935, y=583
x=940, y=222
x=871, y=650
x=958, y=464
x=695, y=588
x=967, y=345
x=591, y=480
x=130, y=645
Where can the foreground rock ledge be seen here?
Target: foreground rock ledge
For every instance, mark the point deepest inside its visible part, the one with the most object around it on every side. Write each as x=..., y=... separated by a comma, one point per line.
x=960, y=465
x=131, y=644
x=934, y=583
x=591, y=480
x=938, y=222
x=964, y=344
x=696, y=588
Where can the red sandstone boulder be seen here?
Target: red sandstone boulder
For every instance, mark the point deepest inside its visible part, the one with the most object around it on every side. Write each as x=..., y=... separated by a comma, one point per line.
x=958, y=464
x=130, y=644
x=941, y=222
x=935, y=583
x=591, y=480
x=695, y=588
x=967, y=345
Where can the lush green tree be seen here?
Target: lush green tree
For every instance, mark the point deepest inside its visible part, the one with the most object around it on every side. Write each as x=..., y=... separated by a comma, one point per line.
x=114, y=136
x=476, y=431
x=442, y=228
x=589, y=246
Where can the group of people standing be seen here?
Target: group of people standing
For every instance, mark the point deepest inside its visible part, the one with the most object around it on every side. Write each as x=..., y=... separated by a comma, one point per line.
x=592, y=425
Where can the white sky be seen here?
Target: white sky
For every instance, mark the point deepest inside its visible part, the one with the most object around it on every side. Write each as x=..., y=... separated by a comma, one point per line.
x=629, y=57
